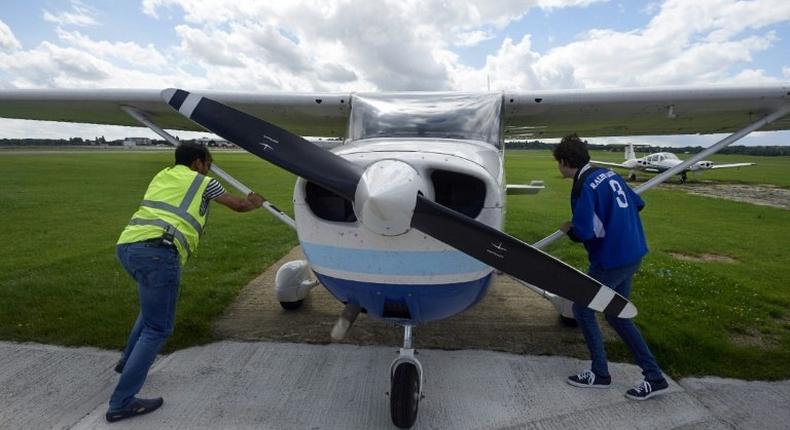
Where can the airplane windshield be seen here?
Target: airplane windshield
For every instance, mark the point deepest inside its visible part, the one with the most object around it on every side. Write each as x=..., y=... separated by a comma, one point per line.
x=442, y=115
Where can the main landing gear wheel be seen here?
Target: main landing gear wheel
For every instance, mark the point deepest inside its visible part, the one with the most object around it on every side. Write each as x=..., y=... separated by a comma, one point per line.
x=568, y=322
x=292, y=306
x=405, y=395
x=293, y=283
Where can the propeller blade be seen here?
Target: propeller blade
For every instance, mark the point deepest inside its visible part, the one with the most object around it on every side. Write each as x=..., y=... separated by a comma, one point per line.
x=272, y=143
x=517, y=258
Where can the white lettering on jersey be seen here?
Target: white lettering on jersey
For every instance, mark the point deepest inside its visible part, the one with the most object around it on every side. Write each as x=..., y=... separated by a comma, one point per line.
x=600, y=178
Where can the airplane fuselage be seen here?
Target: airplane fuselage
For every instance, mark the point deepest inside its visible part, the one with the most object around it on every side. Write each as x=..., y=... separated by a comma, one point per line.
x=661, y=162
x=410, y=277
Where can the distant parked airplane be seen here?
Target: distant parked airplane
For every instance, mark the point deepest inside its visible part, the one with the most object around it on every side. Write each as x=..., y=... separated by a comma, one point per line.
x=661, y=162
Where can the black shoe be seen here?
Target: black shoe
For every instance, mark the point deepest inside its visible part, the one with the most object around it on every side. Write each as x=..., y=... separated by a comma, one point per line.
x=119, y=366
x=588, y=379
x=135, y=408
x=647, y=389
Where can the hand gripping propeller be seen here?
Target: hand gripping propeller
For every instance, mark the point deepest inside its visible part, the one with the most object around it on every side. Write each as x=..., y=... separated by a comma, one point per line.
x=322, y=167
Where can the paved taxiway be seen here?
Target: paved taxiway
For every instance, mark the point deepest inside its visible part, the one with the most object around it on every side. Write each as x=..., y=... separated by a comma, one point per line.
x=267, y=385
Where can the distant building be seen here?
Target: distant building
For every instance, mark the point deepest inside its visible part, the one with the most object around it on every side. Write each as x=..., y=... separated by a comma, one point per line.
x=214, y=143
x=131, y=142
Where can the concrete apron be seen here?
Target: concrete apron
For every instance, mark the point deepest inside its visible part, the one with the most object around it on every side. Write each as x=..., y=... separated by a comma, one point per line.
x=265, y=385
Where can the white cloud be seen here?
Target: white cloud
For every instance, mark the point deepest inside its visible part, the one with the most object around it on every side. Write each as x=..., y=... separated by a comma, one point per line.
x=80, y=15
x=473, y=38
x=130, y=52
x=786, y=72
x=356, y=45
x=686, y=43
x=7, y=40
x=385, y=45
x=210, y=47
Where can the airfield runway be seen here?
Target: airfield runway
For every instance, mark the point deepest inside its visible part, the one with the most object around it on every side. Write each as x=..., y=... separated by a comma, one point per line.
x=270, y=385
x=294, y=379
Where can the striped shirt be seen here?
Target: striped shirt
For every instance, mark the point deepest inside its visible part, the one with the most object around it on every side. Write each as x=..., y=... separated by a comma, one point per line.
x=213, y=190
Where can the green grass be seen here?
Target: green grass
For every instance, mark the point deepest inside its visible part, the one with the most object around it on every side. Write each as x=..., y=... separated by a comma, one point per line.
x=60, y=282
x=59, y=279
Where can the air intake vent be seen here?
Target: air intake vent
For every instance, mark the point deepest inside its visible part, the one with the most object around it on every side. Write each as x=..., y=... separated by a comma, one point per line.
x=327, y=205
x=393, y=309
x=459, y=192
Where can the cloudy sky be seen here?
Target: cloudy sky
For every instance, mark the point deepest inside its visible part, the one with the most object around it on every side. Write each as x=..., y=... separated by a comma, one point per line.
x=367, y=45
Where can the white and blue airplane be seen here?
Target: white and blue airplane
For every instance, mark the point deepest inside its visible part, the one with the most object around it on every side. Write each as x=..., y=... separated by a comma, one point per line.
x=404, y=219
x=661, y=162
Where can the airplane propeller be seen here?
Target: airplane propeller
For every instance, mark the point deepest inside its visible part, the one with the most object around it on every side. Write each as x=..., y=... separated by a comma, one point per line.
x=387, y=200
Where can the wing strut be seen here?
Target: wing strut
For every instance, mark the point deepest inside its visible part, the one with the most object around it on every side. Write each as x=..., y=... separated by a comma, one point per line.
x=738, y=135
x=561, y=303
x=240, y=187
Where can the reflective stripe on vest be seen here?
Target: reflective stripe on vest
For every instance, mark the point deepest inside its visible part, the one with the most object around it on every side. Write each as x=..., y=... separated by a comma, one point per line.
x=167, y=227
x=171, y=204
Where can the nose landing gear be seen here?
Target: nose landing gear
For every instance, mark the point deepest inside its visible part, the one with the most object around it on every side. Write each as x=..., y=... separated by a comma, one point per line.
x=405, y=384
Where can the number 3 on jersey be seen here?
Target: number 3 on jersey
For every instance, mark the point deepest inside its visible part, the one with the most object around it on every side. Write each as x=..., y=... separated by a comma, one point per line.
x=622, y=201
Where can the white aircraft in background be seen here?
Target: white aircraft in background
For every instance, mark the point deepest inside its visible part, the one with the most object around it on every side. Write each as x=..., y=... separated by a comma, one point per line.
x=661, y=162
x=404, y=220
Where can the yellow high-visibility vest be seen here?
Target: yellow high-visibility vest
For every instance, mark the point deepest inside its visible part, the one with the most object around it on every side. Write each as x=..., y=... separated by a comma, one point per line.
x=171, y=204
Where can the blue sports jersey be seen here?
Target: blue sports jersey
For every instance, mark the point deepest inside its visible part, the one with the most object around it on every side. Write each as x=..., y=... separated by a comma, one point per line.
x=606, y=218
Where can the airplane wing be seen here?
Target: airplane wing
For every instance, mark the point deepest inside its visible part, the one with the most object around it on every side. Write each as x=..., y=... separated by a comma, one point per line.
x=607, y=164
x=307, y=114
x=659, y=111
x=536, y=114
x=727, y=166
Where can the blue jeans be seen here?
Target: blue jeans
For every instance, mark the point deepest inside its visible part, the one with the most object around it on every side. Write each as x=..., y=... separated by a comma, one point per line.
x=157, y=272
x=618, y=279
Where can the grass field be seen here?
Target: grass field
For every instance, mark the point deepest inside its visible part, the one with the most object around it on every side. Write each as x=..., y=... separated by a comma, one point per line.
x=62, y=213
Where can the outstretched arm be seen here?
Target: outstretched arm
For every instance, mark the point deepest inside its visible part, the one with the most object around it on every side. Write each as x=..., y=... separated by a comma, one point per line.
x=238, y=204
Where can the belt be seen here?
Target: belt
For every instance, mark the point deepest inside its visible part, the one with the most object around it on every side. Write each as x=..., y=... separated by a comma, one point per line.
x=158, y=241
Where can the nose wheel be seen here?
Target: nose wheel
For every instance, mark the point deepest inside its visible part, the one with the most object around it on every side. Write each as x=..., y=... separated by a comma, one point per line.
x=405, y=385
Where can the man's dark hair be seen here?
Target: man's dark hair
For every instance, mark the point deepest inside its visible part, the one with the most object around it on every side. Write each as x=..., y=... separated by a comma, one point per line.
x=573, y=151
x=187, y=153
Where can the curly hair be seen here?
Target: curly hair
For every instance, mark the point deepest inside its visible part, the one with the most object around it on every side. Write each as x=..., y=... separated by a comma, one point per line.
x=573, y=151
x=187, y=152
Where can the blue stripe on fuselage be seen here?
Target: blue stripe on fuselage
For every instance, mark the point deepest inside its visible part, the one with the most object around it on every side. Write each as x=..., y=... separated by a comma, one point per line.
x=425, y=302
x=396, y=262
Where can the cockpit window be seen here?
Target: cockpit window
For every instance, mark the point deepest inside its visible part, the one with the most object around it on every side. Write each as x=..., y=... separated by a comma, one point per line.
x=431, y=115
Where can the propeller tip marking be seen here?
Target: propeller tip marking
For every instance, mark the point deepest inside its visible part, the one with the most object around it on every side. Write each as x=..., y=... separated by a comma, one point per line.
x=174, y=97
x=167, y=94
x=601, y=299
x=629, y=311
x=189, y=105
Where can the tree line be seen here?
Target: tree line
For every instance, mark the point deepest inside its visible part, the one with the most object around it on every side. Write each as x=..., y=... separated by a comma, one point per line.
x=769, y=151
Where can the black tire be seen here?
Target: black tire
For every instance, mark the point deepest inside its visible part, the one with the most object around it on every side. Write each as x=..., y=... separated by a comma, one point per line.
x=632, y=177
x=292, y=306
x=405, y=395
x=568, y=322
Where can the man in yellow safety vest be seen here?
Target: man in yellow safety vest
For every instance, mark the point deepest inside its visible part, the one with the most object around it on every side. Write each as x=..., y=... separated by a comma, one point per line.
x=158, y=240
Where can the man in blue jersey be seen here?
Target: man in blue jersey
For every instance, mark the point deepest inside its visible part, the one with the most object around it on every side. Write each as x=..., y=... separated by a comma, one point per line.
x=606, y=220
